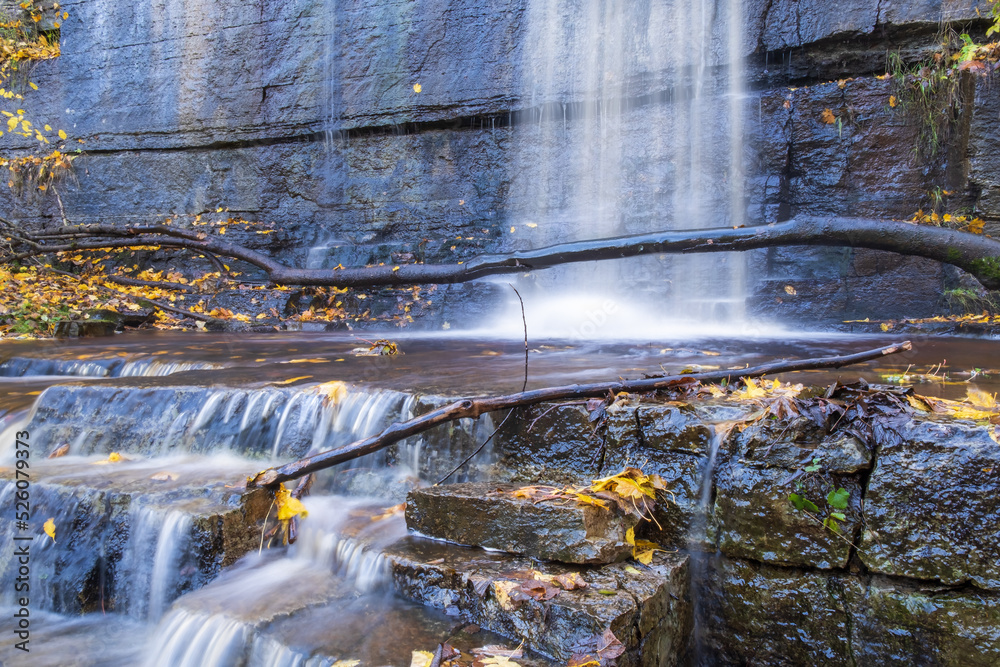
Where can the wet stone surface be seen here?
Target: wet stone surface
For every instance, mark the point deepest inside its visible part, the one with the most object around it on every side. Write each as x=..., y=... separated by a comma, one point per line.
x=98, y=561
x=488, y=515
x=756, y=614
x=753, y=516
x=550, y=443
x=932, y=509
x=646, y=607
x=674, y=443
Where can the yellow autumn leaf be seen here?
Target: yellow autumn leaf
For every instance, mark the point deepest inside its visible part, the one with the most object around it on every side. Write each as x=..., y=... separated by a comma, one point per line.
x=62, y=134
x=421, y=659
x=828, y=117
x=584, y=499
x=499, y=661
x=334, y=390
x=417, y=87
x=751, y=390
x=643, y=551
x=892, y=101
x=502, y=589
x=50, y=528
x=288, y=506
x=981, y=399
x=33, y=85
x=969, y=413
x=291, y=380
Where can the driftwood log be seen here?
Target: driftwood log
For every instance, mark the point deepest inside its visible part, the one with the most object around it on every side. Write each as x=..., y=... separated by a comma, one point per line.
x=474, y=407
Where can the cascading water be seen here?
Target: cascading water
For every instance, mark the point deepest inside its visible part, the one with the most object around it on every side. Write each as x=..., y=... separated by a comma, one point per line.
x=633, y=123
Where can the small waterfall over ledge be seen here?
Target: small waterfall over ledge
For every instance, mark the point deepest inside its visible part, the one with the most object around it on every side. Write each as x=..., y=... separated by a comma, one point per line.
x=633, y=124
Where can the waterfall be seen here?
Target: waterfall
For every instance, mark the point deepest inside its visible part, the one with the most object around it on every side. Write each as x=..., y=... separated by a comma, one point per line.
x=150, y=573
x=633, y=124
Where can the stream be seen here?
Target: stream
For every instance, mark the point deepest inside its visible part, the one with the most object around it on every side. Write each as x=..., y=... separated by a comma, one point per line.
x=139, y=572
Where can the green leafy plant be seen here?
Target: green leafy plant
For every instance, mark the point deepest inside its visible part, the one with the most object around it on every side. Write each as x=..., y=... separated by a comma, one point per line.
x=837, y=501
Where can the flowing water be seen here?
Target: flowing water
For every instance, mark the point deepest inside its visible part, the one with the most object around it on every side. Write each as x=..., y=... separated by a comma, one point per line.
x=135, y=574
x=633, y=123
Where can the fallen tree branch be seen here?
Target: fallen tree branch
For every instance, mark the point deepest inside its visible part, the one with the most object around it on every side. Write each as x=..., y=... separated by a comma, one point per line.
x=977, y=254
x=474, y=407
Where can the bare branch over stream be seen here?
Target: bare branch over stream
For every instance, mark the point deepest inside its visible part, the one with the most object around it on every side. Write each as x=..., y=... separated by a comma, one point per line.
x=474, y=407
x=977, y=254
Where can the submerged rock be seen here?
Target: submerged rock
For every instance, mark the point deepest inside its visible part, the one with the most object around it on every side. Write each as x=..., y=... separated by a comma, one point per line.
x=645, y=607
x=489, y=515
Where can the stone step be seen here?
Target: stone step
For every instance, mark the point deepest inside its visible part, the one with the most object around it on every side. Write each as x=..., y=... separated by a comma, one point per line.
x=489, y=515
x=133, y=534
x=646, y=608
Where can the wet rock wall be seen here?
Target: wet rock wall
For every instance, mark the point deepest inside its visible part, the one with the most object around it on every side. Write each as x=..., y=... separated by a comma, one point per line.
x=910, y=576
x=304, y=114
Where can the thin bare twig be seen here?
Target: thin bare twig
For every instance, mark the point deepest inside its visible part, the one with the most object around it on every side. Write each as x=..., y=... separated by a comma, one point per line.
x=510, y=412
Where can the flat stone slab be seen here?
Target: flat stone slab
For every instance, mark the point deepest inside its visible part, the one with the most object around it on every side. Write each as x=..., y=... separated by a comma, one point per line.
x=489, y=515
x=646, y=608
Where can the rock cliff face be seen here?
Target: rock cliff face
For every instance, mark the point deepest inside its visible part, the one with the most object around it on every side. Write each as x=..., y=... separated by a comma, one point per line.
x=304, y=113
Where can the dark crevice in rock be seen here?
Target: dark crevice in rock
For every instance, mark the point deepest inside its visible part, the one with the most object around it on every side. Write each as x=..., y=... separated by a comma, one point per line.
x=850, y=55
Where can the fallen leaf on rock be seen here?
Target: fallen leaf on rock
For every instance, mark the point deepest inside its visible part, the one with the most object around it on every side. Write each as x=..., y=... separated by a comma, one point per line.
x=346, y=663
x=448, y=651
x=828, y=117
x=570, y=581
x=421, y=658
x=164, y=476
x=583, y=660
x=609, y=647
x=62, y=450
x=503, y=590
x=538, y=589
x=496, y=661
x=50, y=528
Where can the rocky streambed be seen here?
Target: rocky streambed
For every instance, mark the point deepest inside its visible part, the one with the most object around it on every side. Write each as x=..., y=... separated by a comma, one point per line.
x=844, y=524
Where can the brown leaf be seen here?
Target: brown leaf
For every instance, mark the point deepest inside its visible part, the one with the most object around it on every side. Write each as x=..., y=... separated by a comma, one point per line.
x=609, y=647
x=828, y=117
x=59, y=451
x=582, y=660
x=538, y=589
x=448, y=651
x=570, y=581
